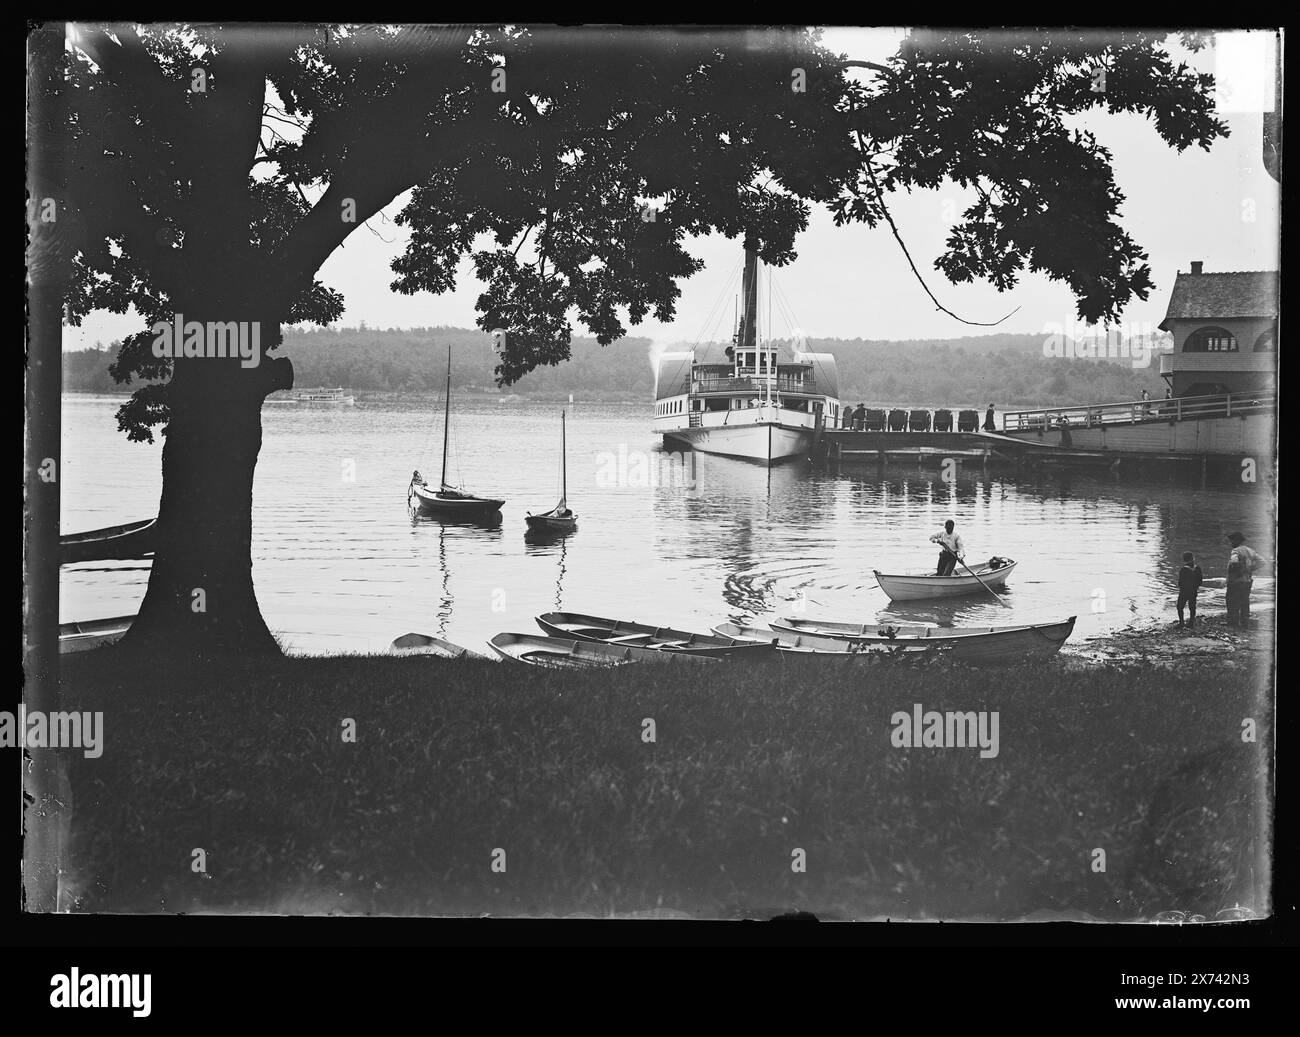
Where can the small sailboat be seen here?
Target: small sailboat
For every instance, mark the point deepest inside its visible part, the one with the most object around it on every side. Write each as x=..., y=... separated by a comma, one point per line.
x=559, y=519
x=448, y=502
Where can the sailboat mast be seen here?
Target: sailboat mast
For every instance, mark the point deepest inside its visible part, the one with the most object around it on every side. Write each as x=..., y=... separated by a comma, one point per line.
x=564, y=468
x=446, y=421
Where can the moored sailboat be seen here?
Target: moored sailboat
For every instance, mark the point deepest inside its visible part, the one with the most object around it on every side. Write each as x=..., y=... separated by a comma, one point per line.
x=560, y=519
x=447, y=501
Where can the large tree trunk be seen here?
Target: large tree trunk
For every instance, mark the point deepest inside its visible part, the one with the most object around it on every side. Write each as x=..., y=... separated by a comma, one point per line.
x=201, y=599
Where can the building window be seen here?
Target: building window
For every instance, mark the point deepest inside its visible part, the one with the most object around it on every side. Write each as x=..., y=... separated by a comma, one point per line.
x=1267, y=342
x=1210, y=340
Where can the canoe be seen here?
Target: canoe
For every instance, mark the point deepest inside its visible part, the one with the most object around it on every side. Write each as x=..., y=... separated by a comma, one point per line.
x=568, y=653
x=918, y=586
x=581, y=627
x=427, y=644
x=449, y=503
x=965, y=644
x=129, y=540
x=94, y=633
x=791, y=645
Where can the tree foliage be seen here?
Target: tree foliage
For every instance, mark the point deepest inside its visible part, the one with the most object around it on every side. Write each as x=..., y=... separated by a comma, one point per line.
x=572, y=166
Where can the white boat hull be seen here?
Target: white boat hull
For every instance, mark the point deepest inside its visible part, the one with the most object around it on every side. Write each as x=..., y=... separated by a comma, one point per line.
x=919, y=587
x=762, y=442
x=991, y=645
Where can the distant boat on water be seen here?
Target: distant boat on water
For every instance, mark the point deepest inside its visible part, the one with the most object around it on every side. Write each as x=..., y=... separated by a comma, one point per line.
x=320, y=397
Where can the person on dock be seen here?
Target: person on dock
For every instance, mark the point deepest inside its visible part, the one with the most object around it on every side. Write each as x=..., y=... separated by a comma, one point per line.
x=989, y=424
x=1189, y=582
x=953, y=550
x=1242, y=563
x=860, y=417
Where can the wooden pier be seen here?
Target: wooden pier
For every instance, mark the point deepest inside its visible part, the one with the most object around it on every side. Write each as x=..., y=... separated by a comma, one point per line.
x=1218, y=431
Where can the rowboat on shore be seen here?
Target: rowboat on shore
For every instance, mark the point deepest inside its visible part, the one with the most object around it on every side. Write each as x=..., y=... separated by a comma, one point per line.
x=617, y=632
x=992, y=645
x=93, y=633
x=918, y=586
x=427, y=644
x=789, y=645
x=568, y=653
x=128, y=540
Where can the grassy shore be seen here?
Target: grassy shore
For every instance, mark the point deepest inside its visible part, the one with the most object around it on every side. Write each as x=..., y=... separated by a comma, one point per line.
x=455, y=760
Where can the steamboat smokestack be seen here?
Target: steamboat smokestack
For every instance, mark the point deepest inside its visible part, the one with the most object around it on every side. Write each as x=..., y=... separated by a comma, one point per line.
x=749, y=325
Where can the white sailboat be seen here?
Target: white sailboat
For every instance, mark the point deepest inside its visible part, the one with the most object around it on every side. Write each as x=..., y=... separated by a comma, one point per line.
x=559, y=519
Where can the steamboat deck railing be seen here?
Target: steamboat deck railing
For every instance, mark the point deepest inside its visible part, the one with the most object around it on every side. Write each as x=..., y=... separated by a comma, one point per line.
x=757, y=383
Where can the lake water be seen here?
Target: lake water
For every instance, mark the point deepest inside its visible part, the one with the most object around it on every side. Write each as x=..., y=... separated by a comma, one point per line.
x=681, y=540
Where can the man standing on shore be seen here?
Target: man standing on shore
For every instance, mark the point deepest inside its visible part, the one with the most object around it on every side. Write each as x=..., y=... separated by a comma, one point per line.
x=953, y=549
x=1242, y=563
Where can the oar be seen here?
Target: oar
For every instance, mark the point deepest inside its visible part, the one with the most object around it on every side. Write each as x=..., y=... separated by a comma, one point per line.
x=982, y=583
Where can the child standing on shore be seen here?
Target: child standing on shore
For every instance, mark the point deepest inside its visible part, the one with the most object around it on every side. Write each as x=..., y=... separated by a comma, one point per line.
x=1189, y=582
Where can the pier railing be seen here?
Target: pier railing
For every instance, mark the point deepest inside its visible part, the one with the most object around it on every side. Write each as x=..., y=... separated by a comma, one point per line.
x=1137, y=412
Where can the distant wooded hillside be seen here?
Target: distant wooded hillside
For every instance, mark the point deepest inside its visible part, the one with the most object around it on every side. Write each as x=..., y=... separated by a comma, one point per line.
x=1004, y=369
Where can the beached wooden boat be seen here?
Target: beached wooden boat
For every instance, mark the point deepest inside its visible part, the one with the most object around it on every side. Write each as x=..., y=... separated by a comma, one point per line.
x=789, y=645
x=559, y=519
x=566, y=653
x=128, y=540
x=427, y=644
x=1004, y=644
x=94, y=633
x=918, y=586
x=447, y=501
x=642, y=635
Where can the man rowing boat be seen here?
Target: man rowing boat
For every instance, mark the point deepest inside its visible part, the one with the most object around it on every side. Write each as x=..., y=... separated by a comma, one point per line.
x=954, y=550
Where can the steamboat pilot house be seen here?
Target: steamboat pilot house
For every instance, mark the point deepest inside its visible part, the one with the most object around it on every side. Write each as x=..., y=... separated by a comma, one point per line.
x=755, y=399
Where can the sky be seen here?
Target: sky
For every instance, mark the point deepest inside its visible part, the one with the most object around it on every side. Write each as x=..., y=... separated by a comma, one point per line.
x=1219, y=206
